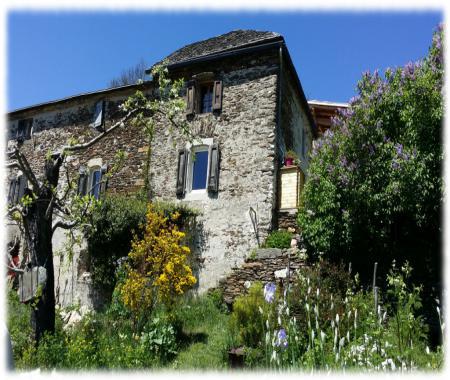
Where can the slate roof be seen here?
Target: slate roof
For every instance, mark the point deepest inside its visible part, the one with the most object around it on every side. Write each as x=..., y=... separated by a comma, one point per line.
x=233, y=40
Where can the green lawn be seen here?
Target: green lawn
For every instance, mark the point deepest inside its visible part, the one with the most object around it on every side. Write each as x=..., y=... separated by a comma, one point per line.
x=206, y=336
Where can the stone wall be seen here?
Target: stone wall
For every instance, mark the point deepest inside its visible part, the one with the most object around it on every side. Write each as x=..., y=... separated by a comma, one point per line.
x=250, y=134
x=245, y=131
x=261, y=266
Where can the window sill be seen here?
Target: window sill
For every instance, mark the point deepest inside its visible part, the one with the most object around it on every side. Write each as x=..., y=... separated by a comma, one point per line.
x=196, y=195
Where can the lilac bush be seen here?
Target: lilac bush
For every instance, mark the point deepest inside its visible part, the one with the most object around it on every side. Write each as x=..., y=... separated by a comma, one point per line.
x=374, y=191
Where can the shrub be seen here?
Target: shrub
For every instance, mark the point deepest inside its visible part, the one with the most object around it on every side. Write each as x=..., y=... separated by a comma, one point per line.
x=157, y=269
x=375, y=189
x=19, y=316
x=278, y=239
x=246, y=320
x=113, y=227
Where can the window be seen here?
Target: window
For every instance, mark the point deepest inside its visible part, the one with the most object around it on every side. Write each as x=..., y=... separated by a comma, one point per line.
x=206, y=98
x=203, y=97
x=198, y=169
x=96, y=177
x=99, y=115
x=24, y=129
x=96, y=181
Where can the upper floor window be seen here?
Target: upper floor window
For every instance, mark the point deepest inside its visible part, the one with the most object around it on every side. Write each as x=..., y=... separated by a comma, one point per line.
x=206, y=98
x=99, y=115
x=203, y=97
x=24, y=129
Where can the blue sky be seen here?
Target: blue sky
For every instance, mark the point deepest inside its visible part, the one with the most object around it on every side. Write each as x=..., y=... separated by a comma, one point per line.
x=52, y=55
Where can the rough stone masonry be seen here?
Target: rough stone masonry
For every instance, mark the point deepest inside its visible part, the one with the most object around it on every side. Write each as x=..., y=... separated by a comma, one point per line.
x=263, y=113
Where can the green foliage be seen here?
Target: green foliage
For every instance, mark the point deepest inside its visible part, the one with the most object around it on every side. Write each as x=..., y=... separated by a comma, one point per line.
x=374, y=190
x=216, y=297
x=18, y=324
x=278, y=239
x=246, y=321
x=113, y=227
x=350, y=333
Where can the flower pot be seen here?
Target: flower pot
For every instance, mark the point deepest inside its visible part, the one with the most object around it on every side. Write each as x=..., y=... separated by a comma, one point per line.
x=289, y=161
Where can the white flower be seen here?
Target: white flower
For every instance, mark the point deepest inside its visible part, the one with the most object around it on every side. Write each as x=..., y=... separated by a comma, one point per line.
x=428, y=350
x=341, y=342
x=313, y=335
x=307, y=307
x=322, y=336
x=279, y=320
x=267, y=324
x=348, y=336
x=260, y=310
x=332, y=323
x=247, y=284
x=337, y=319
x=317, y=292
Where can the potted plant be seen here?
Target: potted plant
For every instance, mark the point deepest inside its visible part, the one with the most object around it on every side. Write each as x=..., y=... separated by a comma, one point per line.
x=290, y=158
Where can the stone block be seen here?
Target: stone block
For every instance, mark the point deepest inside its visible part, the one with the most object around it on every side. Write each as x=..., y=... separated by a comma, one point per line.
x=268, y=253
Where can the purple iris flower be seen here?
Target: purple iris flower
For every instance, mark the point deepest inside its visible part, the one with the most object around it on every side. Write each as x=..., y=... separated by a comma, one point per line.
x=282, y=339
x=269, y=292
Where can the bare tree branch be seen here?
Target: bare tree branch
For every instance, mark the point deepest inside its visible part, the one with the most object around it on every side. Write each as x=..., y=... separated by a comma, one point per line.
x=64, y=225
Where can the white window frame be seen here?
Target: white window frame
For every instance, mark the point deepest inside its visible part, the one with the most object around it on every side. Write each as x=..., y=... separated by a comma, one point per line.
x=203, y=145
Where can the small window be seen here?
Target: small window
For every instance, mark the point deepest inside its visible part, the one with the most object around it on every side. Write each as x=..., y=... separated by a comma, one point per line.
x=94, y=182
x=206, y=98
x=24, y=129
x=199, y=169
x=99, y=115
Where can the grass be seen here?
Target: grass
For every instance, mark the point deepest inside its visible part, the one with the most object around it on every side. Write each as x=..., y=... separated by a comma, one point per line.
x=205, y=330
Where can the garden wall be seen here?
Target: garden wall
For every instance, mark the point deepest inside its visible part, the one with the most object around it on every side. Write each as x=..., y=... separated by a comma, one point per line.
x=260, y=266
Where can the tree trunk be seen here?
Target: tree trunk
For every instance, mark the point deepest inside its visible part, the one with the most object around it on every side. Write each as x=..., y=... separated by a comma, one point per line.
x=38, y=235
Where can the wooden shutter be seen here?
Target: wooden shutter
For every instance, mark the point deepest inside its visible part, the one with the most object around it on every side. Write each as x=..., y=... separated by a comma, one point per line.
x=12, y=191
x=22, y=184
x=82, y=181
x=104, y=179
x=213, y=178
x=190, y=98
x=181, y=172
x=217, y=95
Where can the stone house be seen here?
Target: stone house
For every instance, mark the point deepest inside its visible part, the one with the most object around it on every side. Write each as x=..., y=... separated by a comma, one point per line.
x=247, y=108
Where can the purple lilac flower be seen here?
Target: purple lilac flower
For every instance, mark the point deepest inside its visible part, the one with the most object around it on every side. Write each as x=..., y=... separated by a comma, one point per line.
x=395, y=165
x=282, y=339
x=399, y=149
x=343, y=179
x=269, y=292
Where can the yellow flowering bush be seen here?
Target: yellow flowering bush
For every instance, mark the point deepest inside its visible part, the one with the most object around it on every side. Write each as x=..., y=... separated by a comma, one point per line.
x=158, y=268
